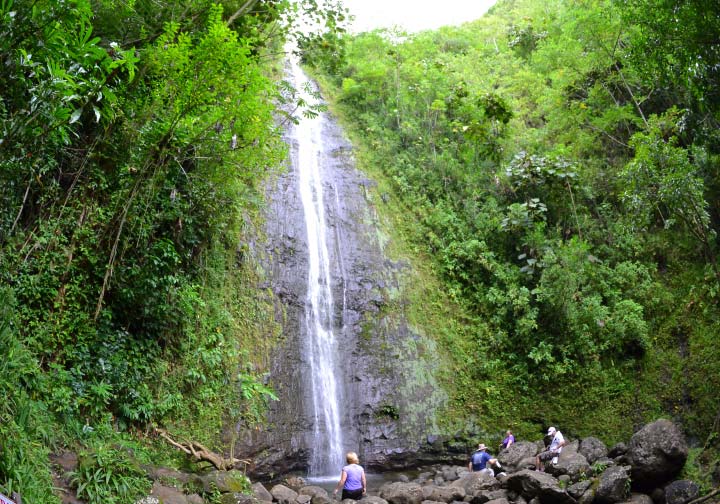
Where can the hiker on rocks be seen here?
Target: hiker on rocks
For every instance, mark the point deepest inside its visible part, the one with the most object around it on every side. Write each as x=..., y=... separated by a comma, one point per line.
x=480, y=459
x=352, y=479
x=553, y=450
x=509, y=440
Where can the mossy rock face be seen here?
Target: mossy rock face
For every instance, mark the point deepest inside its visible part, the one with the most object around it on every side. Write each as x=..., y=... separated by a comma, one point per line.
x=226, y=482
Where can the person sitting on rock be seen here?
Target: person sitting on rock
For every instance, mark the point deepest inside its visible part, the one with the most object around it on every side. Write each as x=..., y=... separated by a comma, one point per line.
x=496, y=468
x=509, y=440
x=480, y=459
x=553, y=451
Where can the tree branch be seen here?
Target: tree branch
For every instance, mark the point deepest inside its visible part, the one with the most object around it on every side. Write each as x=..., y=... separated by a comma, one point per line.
x=705, y=497
x=202, y=453
x=242, y=10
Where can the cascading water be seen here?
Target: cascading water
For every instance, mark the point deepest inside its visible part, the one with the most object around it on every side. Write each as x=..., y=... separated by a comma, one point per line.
x=322, y=353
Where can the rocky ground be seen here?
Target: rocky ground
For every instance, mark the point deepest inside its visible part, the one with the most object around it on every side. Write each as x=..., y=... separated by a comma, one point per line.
x=643, y=471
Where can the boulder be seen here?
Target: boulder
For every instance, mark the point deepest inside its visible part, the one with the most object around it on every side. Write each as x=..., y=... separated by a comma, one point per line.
x=658, y=495
x=303, y=499
x=402, y=493
x=657, y=452
x=475, y=482
x=613, y=485
x=681, y=492
x=443, y=494
x=450, y=473
x=168, y=495
x=319, y=499
x=501, y=500
x=592, y=449
x=588, y=497
x=571, y=464
x=313, y=491
x=177, y=479
x=235, y=498
x=578, y=489
x=295, y=482
x=540, y=485
x=283, y=494
x=486, y=496
x=526, y=463
x=224, y=481
x=195, y=499
x=372, y=499
x=638, y=498
x=261, y=493
x=571, y=448
x=617, y=450
x=513, y=457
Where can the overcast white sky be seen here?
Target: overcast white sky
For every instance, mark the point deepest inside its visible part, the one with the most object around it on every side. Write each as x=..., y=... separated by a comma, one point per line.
x=414, y=15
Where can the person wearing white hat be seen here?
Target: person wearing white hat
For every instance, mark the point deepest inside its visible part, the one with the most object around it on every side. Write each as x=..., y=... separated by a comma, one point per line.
x=480, y=460
x=553, y=451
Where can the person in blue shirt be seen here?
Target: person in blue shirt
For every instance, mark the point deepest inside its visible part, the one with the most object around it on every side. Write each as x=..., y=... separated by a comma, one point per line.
x=480, y=459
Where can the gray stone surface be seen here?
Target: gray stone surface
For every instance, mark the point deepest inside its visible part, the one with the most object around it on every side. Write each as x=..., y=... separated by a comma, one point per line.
x=513, y=458
x=540, y=485
x=283, y=495
x=592, y=449
x=574, y=465
x=313, y=491
x=681, y=492
x=237, y=498
x=224, y=481
x=638, y=498
x=476, y=482
x=261, y=493
x=402, y=493
x=577, y=489
x=443, y=494
x=168, y=495
x=617, y=450
x=372, y=499
x=614, y=485
x=657, y=453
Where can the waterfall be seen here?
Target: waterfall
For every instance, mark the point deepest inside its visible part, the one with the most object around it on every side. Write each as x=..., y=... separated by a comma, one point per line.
x=321, y=344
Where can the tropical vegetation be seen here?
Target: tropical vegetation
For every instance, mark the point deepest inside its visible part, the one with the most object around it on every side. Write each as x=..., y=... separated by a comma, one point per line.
x=554, y=163
x=557, y=163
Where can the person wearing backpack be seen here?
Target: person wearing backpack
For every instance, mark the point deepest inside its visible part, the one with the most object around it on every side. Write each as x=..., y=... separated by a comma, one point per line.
x=480, y=459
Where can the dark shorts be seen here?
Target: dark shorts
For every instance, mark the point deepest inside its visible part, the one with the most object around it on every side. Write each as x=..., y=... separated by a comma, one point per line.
x=547, y=455
x=352, y=494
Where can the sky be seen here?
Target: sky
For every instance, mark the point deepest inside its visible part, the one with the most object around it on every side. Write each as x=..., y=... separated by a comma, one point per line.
x=414, y=15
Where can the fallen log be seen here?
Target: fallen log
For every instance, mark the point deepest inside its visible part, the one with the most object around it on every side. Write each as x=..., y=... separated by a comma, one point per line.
x=705, y=497
x=202, y=453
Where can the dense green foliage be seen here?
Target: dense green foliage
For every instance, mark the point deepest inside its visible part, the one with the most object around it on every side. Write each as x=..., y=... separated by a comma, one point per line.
x=134, y=140
x=559, y=161
x=556, y=161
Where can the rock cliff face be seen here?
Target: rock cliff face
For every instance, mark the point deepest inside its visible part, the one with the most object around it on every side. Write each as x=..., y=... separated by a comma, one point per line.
x=387, y=368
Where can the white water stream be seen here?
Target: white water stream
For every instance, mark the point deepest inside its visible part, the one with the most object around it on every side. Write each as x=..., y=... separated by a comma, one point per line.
x=322, y=352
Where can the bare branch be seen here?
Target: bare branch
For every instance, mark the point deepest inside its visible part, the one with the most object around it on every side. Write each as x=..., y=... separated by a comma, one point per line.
x=242, y=10
x=202, y=453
